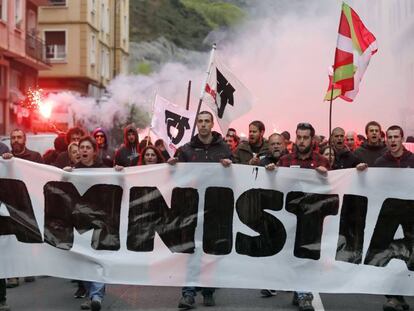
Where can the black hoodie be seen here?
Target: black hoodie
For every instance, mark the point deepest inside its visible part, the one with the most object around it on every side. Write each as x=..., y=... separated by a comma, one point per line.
x=369, y=153
x=197, y=151
x=128, y=154
x=388, y=160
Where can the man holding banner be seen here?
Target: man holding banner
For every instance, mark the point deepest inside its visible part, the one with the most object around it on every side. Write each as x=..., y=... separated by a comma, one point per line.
x=304, y=157
x=396, y=156
x=206, y=146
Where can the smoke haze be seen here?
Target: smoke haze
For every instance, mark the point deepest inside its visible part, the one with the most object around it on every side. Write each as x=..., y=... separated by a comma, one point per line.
x=282, y=54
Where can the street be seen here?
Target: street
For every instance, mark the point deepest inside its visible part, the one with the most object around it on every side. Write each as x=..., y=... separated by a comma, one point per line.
x=52, y=294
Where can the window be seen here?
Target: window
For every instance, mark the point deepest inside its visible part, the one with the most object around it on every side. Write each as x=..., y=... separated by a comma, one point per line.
x=55, y=44
x=31, y=22
x=3, y=10
x=93, y=50
x=126, y=29
x=18, y=18
x=104, y=63
x=57, y=2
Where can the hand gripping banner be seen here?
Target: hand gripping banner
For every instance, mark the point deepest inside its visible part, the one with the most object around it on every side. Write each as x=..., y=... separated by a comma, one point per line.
x=206, y=225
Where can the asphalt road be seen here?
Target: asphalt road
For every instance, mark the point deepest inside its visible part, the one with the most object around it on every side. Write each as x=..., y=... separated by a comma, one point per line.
x=53, y=294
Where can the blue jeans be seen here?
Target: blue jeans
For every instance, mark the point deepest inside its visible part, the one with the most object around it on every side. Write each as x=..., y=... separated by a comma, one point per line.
x=96, y=290
x=192, y=291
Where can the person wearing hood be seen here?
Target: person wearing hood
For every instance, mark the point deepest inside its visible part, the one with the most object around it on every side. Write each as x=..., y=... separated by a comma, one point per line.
x=128, y=153
x=396, y=156
x=344, y=158
x=373, y=148
x=105, y=153
x=206, y=146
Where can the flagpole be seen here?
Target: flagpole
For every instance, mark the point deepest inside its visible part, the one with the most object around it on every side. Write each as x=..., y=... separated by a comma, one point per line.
x=152, y=110
x=213, y=49
x=187, y=106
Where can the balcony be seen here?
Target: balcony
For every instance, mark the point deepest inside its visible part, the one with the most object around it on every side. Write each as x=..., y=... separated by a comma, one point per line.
x=57, y=2
x=35, y=48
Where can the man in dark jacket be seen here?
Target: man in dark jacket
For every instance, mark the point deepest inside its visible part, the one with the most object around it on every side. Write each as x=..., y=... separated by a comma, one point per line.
x=255, y=149
x=19, y=149
x=128, y=153
x=3, y=148
x=396, y=156
x=105, y=153
x=277, y=149
x=304, y=156
x=344, y=158
x=373, y=148
x=206, y=146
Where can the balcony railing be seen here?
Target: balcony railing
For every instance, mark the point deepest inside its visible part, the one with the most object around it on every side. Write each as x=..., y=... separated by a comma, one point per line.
x=36, y=48
x=57, y=2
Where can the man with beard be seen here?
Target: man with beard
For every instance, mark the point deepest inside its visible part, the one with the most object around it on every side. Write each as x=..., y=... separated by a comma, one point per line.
x=344, y=158
x=277, y=149
x=105, y=153
x=373, y=148
x=396, y=156
x=19, y=150
x=128, y=153
x=256, y=148
x=303, y=156
x=73, y=135
x=206, y=146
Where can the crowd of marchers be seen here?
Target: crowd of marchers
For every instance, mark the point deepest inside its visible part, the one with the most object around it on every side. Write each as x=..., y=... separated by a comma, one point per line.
x=76, y=149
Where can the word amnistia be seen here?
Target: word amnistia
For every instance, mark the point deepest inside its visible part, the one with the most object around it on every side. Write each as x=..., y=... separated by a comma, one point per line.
x=99, y=210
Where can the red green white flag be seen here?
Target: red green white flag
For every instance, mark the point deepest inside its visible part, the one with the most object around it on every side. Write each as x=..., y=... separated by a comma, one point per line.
x=355, y=46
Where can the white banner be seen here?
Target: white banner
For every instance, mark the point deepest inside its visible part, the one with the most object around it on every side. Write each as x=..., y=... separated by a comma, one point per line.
x=171, y=123
x=205, y=225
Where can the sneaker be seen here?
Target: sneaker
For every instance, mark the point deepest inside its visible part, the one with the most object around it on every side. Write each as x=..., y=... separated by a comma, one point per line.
x=393, y=304
x=86, y=305
x=208, y=301
x=95, y=305
x=4, y=306
x=305, y=304
x=186, y=302
x=12, y=282
x=29, y=279
x=80, y=293
x=266, y=293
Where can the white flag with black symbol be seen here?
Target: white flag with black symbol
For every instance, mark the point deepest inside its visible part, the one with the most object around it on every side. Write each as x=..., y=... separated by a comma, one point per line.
x=171, y=123
x=226, y=95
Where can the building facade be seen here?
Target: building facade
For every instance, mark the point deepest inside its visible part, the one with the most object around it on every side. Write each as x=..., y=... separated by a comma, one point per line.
x=22, y=56
x=87, y=44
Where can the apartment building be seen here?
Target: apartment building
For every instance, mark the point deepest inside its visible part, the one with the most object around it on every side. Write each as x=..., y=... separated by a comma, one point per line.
x=87, y=44
x=22, y=55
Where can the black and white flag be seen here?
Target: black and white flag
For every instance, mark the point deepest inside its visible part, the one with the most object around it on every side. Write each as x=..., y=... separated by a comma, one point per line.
x=171, y=123
x=226, y=95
